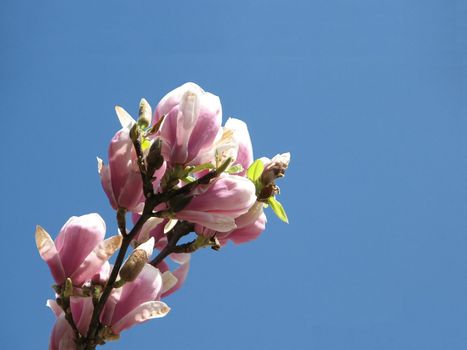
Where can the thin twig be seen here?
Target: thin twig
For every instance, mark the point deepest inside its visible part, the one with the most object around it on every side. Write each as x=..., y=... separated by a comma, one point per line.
x=181, y=229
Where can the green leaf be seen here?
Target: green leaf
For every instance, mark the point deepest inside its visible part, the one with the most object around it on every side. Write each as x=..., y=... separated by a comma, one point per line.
x=278, y=209
x=235, y=169
x=223, y=166
x=255, y=170
x=145, y=144
x=201, y=167
x=188, y=179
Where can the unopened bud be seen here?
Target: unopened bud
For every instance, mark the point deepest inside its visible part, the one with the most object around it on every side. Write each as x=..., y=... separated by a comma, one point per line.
x=275, y=169
x=68, y=289
x=154, y=158
x=134, y=133
x=134, y=265
x=145, y=113
x=136, y=261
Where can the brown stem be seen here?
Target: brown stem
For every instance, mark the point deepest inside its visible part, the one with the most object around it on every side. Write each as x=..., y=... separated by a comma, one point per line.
x=181, y=229
x=94, y=324
x=121, y=221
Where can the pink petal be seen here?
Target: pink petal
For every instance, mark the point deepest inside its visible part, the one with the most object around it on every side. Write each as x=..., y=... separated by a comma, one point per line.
x=207, y=127
x=180, y=273
x=77, y=239
x=81, y=309
x=242, y=137
x=154, y=227
x=171, y=99
x=216, y=222
x=109, y=308
x=102, y=275
x=94, y=261
x=142, y=313
x=62, y=337
x=124, y=172
x=49, y=254
x=144, y=288
x=230, y=194
x=106, y=181
x=248, y=233
x=53, y=305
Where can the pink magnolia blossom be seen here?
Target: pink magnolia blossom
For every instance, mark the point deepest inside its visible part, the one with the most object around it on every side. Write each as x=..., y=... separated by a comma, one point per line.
x=79, y=251
x=192, y=122
x=121, y=178
x=249, y=227
x=63, y=337
x=234, y=143
x=135, y=302
x=217, y=205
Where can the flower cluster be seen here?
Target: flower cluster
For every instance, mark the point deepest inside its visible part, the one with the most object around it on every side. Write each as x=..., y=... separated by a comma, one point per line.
x=176, y=172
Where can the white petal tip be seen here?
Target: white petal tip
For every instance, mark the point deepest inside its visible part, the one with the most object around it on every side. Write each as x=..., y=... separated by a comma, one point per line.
x=168, y=281
x=170, y=225
x=125, y=119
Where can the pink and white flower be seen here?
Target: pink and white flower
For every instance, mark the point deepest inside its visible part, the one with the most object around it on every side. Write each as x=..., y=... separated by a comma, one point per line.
x=234, y=143
x=63, y=337
x=79, y=251
x=135, y=302
x=218, y=204
x=121, y=179
x=192, y=122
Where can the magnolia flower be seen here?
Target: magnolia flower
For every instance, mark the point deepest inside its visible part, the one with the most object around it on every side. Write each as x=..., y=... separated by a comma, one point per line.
x=234, y=143
x=192, y=122
x=121, y=179
x=135, y=302
x=63, y=337
x=79, y=250
x=248, y=227
x=218, y=204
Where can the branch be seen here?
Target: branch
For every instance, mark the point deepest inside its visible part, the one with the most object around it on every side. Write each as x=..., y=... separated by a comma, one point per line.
x=152, y=200
x=94, y=324
x=181, y=229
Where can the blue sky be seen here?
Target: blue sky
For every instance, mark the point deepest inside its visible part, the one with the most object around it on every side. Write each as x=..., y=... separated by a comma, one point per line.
x=368, y=96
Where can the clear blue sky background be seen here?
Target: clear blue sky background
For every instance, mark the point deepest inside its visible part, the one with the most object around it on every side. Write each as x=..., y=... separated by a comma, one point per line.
x=368, y=96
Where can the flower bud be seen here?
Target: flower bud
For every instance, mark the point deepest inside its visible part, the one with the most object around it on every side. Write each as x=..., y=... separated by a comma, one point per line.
x=79, y=251
x=273, y=169
x=121, y=178
x=136, y=261
x=145, y=114
x=192, y=122
x=154, y=158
